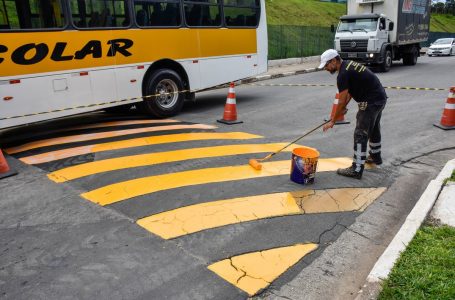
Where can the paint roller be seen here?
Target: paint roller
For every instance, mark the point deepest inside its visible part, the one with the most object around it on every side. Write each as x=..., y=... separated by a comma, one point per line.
x=255, y=163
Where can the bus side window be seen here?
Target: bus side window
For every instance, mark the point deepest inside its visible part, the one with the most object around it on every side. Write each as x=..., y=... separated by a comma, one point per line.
x=241, y=13
x=194, y=17
x=203, y=13
x=141, y=18
x=31, y=14
x=155, y=16
x=100, y=13
x=94, y=20
x=3, y=17
x=158, y=13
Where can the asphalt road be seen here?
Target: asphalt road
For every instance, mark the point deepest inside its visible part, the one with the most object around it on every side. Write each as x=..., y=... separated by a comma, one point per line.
x=80, y=238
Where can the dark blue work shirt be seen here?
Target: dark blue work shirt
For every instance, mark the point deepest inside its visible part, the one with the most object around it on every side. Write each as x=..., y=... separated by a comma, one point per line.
x=362, y=84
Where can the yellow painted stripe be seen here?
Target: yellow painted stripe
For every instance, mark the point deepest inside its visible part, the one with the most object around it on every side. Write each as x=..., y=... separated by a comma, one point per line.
x=119, y=123
x=194, y=218
x=137, y=142
x=100, y=135
x=125, y=162
x=252, y=272
x=141, y=186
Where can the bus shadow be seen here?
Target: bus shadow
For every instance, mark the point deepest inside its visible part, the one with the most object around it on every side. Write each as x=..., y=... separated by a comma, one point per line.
x=208, y=103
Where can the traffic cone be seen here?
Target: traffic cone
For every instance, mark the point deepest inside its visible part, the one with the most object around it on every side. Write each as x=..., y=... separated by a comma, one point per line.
x=340, y=119
x=5, y=170
x=230, y=110
x=448, y=115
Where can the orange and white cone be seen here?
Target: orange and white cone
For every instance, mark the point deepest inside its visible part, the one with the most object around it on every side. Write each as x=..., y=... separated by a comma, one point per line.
x=448, y=115
x=230, y=109
x=340, y=119
x=5, y=170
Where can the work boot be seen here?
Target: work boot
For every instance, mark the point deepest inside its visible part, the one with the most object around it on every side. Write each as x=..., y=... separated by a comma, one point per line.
x=374, y=159
x=350, y=172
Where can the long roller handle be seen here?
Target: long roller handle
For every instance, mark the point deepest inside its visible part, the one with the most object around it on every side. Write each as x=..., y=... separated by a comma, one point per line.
x=296, y=140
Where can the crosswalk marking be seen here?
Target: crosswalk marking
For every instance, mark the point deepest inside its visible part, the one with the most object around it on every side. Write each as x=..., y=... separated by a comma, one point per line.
x=194, y=218
x=100, y=135
x=136, y=187
x=252, y=272
x=125, y=162
x=137, y=142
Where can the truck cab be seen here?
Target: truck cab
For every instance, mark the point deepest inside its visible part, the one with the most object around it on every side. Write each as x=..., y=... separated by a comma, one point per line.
x=362, y=38
x=375, y=32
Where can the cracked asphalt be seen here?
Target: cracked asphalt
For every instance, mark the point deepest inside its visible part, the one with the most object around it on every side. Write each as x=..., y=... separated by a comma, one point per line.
x=57, y=245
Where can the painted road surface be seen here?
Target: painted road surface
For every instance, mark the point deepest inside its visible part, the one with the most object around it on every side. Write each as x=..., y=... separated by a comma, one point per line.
x=221, y=235
x=212, y=186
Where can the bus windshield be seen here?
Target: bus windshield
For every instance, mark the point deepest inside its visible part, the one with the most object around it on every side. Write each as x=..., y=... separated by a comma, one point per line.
x=366, y=25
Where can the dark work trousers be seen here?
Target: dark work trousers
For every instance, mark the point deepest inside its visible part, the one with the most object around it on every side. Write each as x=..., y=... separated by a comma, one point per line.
x=368, y=128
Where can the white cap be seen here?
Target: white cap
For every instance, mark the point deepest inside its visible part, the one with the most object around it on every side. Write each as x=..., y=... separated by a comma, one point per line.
x=326, y=56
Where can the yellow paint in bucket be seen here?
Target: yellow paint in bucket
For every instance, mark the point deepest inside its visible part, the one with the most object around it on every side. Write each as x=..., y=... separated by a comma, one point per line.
x=304, y=163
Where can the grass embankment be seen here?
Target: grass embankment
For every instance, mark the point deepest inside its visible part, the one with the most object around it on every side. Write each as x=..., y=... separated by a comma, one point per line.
x=426, y=269
x=303, y=12
x=442, y=23
x=316, y=13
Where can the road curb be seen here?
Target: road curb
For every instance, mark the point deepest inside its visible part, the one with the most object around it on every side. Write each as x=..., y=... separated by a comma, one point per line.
x=414, y=220
x=273, y=76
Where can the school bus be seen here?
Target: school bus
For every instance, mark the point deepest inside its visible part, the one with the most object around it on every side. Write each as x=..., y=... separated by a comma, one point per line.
x=65, y=57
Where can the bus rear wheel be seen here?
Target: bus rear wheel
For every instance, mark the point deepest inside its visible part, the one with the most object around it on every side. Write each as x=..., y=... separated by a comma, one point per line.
x=166, y=86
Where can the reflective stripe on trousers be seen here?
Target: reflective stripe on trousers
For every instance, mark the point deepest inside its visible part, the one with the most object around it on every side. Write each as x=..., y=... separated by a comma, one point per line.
x=368, y=128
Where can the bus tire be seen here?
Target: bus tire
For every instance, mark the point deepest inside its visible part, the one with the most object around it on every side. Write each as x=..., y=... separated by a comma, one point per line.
x=168, y=86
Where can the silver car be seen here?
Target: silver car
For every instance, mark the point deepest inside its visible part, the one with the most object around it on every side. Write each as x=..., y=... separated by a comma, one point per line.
x=442, y=47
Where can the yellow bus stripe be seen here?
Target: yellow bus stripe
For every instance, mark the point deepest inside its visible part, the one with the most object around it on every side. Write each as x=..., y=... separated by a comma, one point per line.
x=138, y=142
x=100, y=135
x=194, y=218
x=119, y=123
x=125, y=162
x=141, y=186
x=175, y=44
x=252, y=272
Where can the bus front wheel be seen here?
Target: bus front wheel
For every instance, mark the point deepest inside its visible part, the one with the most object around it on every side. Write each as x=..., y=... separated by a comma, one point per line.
x=163, y=94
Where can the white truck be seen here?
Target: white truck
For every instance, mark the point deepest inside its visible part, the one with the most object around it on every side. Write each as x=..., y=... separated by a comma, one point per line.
x=377, y=32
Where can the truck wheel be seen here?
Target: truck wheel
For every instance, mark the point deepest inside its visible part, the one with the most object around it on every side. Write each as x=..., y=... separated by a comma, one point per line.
x=166, y=85
x=410, y=59
x=387, y=63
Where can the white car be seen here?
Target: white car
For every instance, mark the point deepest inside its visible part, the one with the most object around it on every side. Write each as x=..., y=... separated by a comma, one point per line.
x=442, y=47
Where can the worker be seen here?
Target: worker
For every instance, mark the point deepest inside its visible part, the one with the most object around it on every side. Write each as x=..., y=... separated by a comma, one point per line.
x=356, y=81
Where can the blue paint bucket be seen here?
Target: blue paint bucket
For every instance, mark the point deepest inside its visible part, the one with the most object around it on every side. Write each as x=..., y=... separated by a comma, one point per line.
x=304, y=163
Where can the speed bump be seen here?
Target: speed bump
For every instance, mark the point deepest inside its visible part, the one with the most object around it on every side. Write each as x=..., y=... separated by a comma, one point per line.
x=141, y=186
x=252, y=272
x=203, y=216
